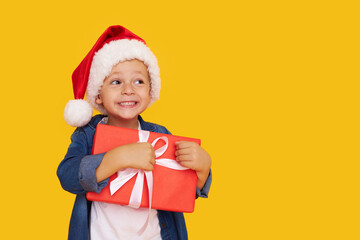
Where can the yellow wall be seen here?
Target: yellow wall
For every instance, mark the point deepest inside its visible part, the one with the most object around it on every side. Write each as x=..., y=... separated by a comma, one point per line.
x=271, y=88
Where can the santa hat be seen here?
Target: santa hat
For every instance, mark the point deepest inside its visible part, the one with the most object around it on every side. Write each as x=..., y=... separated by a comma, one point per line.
x=115, y=45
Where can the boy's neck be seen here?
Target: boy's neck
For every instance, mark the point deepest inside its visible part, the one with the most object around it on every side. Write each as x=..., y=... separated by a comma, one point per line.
x=133, y=123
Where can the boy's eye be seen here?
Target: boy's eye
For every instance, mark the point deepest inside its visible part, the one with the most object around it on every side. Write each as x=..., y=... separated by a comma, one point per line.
x=114, y=82
x=139, y=81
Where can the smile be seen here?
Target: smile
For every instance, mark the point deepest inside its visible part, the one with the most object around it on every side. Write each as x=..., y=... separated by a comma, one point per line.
x=127, y=103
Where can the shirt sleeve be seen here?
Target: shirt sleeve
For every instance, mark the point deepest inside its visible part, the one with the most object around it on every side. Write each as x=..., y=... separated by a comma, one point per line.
x=76, y=171
x=87, y=175
x=204, y=192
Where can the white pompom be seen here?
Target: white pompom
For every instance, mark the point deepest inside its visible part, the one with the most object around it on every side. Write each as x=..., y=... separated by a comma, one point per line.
x=78, y=113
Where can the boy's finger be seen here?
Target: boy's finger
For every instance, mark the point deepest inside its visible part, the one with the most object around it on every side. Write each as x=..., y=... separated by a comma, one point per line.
x=153, y=161
x=187, y=164
x=149, y=167
x=184, y=151
x=184, y=158
x=183, y=144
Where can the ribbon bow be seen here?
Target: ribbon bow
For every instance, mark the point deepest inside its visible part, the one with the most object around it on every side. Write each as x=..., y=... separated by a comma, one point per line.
x=126, y=174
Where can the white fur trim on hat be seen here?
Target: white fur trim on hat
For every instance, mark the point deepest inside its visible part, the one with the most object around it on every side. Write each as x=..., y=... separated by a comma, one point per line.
x=78, y=113
x=111, y=54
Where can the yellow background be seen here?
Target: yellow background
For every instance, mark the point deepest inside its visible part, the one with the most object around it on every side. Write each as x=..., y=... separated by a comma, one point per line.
x=271, y=88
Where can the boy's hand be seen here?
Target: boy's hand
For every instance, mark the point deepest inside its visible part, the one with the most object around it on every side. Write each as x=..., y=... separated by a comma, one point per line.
x=191, y=155
x=138, y=155
x=133, y=155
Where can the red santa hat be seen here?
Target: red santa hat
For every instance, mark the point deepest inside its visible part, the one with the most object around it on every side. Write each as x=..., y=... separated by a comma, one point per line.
x=116, y=44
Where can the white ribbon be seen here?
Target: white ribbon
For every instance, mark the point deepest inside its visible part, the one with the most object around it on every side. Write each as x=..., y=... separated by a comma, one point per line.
x=123, y=176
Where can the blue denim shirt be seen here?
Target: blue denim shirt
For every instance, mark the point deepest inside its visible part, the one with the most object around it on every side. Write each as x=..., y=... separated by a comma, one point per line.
x=76, y=173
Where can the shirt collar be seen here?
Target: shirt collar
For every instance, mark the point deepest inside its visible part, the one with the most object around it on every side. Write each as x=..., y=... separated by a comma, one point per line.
x=104, y=120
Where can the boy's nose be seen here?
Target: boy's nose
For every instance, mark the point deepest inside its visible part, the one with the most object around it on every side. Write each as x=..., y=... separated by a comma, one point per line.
x=127, y=89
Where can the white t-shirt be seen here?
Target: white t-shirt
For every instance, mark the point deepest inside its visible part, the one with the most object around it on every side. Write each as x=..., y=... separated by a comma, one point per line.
x=113, y=222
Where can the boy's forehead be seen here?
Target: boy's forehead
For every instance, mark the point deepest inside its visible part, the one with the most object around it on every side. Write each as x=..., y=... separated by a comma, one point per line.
x=130, y=66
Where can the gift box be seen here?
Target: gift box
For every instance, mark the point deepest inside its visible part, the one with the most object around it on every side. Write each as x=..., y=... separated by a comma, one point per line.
x=169, y=186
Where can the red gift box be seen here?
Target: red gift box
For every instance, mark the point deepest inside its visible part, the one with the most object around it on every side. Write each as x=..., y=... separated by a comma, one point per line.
x=172, y=190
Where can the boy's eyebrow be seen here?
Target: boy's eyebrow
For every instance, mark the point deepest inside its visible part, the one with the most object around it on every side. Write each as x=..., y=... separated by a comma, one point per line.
x=113, y=73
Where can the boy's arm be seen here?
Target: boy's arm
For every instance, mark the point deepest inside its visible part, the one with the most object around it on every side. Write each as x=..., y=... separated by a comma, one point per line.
x=191, y=155
x=134, y=155
x=81, y=172
x=203, y=185
x=204, y=191
x=76, y=171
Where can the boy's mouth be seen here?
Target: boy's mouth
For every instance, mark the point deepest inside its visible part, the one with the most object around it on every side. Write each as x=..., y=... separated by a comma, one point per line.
x=128, y=103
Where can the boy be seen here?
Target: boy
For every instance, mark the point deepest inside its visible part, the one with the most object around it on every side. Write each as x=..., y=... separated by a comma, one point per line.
x=121, y=78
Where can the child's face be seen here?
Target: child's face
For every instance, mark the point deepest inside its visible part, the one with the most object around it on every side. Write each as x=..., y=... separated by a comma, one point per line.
x=125, y=92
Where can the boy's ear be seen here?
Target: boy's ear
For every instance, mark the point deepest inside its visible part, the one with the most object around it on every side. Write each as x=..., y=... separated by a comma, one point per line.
x=98, y=100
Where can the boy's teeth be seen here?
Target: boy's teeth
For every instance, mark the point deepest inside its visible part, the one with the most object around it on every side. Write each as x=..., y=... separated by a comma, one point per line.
x=127, y=103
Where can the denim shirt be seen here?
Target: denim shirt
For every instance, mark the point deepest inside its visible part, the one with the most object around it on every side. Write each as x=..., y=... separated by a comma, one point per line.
x=76, y=173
